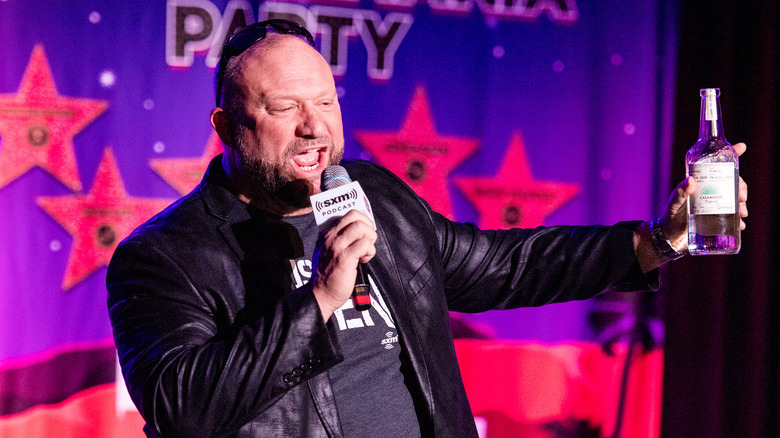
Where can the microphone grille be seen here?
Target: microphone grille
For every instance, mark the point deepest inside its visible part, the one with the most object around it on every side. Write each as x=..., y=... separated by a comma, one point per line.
x=334, y=176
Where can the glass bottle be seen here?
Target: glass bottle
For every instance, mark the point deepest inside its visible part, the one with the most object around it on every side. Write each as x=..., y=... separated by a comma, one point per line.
x=713, y=210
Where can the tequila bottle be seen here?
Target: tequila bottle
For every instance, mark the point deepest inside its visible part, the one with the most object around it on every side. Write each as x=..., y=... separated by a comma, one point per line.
x=713, y=210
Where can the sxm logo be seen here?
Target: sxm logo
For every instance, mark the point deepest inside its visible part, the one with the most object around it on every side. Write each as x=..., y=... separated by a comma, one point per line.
x=333, y=202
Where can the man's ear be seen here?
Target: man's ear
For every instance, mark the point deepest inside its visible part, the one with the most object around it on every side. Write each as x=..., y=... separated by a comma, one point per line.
x=220, y=121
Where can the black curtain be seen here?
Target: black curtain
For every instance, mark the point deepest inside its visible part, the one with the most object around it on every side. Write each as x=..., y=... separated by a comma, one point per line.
x=723, y=326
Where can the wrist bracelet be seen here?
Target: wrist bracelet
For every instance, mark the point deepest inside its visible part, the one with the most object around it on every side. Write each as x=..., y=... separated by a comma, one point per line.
x=661, y=243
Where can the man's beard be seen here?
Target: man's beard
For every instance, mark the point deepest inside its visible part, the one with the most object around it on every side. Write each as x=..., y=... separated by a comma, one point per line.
x=265, y=178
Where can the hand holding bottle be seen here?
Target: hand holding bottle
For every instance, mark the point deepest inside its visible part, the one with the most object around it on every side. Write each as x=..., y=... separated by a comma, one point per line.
x=666, y=238
x=674, y=222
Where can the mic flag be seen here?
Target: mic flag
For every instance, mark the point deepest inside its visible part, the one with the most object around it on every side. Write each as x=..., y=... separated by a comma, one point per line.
x=339, y=195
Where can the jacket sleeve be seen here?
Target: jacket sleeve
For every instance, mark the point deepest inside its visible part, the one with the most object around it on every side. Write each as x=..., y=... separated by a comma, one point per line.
x=501, y=269
x=187, y=377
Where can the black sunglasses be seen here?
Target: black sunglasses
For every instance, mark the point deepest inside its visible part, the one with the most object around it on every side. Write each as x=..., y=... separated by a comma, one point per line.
x=248, y=36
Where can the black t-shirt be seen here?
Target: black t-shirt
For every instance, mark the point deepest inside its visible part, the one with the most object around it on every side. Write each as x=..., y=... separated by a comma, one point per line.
x=371, y=396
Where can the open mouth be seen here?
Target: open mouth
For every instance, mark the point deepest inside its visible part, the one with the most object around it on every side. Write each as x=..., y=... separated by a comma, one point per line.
x=310, y=160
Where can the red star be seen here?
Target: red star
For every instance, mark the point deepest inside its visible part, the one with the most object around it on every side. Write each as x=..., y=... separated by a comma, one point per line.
x=418, y=155
x=37, y=126
x=513, y=198
x=99, y=220
x=183, y=174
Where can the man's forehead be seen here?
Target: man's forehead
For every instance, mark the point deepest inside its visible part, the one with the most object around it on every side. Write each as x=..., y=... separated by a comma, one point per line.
x=284, y=63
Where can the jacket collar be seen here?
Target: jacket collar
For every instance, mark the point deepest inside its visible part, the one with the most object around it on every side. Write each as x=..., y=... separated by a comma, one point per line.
x=223, y=204
x=219, y=199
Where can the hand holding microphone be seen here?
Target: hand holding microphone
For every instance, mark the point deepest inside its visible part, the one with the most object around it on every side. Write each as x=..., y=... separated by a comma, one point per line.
x=344, y=232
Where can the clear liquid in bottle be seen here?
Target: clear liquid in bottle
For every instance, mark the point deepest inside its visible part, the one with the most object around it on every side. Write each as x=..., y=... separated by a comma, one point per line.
x=713, y=210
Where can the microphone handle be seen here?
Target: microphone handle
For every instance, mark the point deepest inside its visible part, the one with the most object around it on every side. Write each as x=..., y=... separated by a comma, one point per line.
x=361, y=298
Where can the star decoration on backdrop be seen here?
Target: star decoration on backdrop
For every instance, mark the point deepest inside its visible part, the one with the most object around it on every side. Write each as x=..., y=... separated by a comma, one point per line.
x=513, y=198
x=183, y=174
x=418, y=154
x=37, y=126
x=99, y=220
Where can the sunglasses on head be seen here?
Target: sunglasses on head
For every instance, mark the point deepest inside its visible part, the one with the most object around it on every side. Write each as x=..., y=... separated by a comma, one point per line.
x=248, y=36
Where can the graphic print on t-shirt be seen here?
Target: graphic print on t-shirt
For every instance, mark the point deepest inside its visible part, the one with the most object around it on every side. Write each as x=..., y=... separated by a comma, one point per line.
x=347, y=317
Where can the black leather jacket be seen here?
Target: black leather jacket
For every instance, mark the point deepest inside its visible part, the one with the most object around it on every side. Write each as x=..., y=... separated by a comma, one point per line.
x=212, y=343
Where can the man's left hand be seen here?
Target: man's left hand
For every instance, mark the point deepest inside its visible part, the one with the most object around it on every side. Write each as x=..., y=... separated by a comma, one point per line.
x=674, y=222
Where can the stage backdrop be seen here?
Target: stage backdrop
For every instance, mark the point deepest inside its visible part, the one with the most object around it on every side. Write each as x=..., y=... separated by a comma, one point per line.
x=500, y=112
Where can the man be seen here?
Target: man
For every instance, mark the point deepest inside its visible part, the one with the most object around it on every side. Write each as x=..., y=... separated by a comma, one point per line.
x=221, y=333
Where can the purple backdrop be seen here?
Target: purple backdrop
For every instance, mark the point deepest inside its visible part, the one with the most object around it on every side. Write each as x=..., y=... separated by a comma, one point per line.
x=586, y=86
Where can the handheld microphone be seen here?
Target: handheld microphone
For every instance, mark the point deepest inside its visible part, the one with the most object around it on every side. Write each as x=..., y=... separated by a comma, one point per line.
x=334, y=177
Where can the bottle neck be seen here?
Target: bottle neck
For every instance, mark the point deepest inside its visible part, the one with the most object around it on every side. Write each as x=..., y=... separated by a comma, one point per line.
x=710, y=123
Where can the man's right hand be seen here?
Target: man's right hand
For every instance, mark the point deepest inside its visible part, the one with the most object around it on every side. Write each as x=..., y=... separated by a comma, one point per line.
x=339, y=250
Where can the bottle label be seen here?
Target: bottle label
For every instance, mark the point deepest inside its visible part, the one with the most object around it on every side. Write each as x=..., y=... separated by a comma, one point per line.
x=716, y=188
x=711, y=105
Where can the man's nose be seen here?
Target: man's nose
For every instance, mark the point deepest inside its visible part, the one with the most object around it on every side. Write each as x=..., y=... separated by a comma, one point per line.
x=311, y=123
